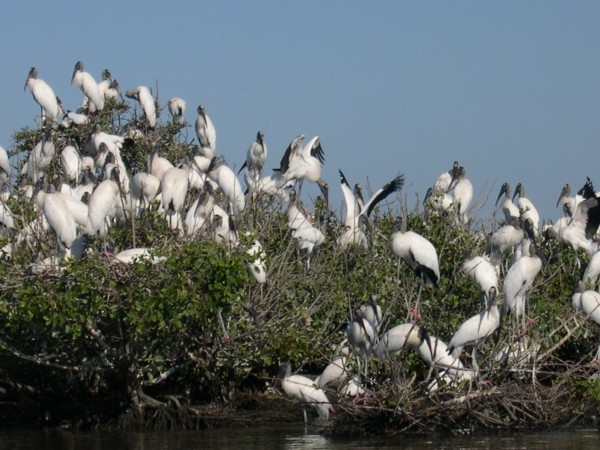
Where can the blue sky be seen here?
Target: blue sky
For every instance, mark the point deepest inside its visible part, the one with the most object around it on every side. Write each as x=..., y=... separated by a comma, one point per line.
x=509, y=89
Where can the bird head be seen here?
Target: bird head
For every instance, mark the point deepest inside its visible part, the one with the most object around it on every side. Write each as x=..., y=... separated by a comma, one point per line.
x=78, y=68
x=31, y=75
x=504, y=191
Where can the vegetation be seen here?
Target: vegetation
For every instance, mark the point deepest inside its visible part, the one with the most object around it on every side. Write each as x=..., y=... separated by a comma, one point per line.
x=142, y=345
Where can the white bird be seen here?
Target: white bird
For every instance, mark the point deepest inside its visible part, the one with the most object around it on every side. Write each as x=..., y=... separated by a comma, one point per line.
x=584, y=223
x=483, y=273
x=334, y=374
x=362, y=335
x=63, y=213
x=592, y=271
x=109, y=87
x=86, y=82
x=144, y=188
x=372, y=312
x=43, y=95
x=419, y=254
x=144, y=97
x=303, y=162
x=510, y=210
x=102, y=205
x=444, y=181
x=205, y=130
x=435, y=353
x=71, y=118
x=136, y=255
x=7, y=219
x=357, y=212
x=306, y=237
x=590, y=306
x=177, y=109
x=475, y=330
x=5, y=170
x=438, y=200
x=70, y=162
x=519, y=281
x=503, y=240
x=305, y=391
x=462, y=195
x=257, y=267
x=158, y=165
x=225, y=178
x=40, y=157
x=174, y=187
x=569, y=204
x=526, y=208
x=256, y=157
x=398, y=339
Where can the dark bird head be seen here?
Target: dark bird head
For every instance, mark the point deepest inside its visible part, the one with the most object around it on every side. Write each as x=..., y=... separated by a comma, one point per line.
x=504, y=191
x=32, y=74
x=564, y=193
x=78, y=68
x=519, y=190
x=106, y=75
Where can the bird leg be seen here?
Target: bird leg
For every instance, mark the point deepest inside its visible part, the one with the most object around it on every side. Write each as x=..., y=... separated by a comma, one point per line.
x=226, y=337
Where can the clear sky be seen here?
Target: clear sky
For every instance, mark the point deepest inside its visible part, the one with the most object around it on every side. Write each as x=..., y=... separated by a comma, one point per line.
x=509, y=89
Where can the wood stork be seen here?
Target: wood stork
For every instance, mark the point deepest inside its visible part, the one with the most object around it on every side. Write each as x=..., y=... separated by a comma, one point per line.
x=256, y=157
x=569, y=204
x=102, y=205
x=419, y=254
x=70, y=162
x=518, y=282
x=65, y=215
x=526, y=208
x=136, y=255
x=158, y=165
x=372, y=312
x=483, y=273
x=591, y=208
x=584, y=223
x=40, y=157
x=305, y=236
x=114, y=142
x=334, y=374
x=357, y=212
x=304, y=390
x=443, y=182
x=592, y=271
x=303, y=162
x=462, y=195
x=504, y=239
x=177, y=109
x=109, y=87
x=398, y=339
x=438, y=200
x=435, y=353
x=5, y=170
x=362, y=336
x=475, y=330
x=144, y=189
x=144, y=97
x=225, y=178
x=205, y=130
x=86, y=82
x=589, y=303
x=43, y=95
x=174, y=187
x=510, y=210
x=7, y=220
x=257, y=267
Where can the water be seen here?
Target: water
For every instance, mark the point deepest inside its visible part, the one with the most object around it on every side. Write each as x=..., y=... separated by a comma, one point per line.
x=285, y=436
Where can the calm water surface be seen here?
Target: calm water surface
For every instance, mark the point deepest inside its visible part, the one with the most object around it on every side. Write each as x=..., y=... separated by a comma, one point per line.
x=285, y=436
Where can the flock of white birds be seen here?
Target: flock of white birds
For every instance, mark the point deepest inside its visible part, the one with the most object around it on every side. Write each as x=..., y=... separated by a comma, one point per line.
x=81, y=206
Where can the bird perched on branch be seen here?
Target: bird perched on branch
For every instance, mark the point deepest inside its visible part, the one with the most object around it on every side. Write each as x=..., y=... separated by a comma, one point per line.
x=357, y=212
